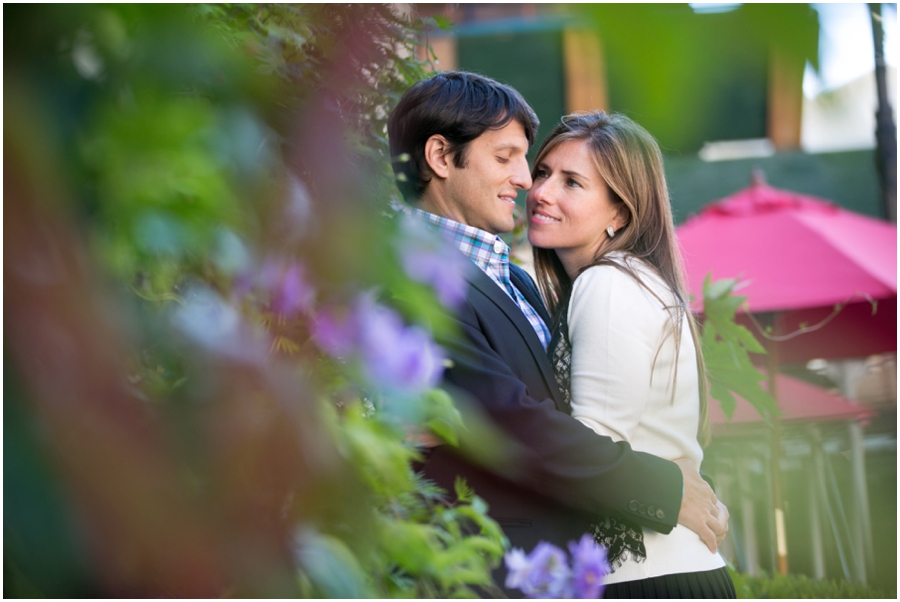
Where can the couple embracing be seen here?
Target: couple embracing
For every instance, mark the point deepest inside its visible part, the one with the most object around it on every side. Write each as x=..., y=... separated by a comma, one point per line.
x=602, y=388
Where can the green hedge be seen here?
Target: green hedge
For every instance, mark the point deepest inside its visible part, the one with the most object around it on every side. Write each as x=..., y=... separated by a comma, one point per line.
x=798, y=586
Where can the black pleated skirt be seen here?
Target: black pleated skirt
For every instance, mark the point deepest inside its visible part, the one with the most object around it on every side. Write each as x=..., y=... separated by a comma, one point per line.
x=705, y=584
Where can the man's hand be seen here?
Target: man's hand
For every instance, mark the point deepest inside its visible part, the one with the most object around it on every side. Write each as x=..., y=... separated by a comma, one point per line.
x=701, y=511
x=422, y=437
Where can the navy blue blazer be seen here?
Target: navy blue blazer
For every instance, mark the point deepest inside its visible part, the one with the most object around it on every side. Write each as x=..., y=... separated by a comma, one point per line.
x=562, y=474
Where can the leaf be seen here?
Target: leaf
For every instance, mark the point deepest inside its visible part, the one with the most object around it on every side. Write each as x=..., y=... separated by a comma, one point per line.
x=718, y=289
x=331, y=566
x=441, y=416
x=749, y=341
x=464, y=493
x=410, y=546
x=726, y=347
x=720, y=392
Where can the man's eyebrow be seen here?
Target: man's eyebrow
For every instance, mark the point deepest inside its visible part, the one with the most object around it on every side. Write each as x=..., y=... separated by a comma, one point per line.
x=508, y=146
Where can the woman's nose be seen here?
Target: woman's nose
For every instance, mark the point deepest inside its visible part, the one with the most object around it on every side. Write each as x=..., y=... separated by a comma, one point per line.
x=538, y=193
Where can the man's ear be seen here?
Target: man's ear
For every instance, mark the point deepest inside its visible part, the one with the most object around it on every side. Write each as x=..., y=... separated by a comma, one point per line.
x=436, y=155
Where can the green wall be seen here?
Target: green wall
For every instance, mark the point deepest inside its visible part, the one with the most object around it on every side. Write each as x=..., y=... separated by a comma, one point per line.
x=848, y=179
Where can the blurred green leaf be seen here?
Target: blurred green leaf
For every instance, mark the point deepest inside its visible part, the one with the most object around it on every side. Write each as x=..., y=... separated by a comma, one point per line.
x=726, y=348
x=441, y=415
x=331, y=567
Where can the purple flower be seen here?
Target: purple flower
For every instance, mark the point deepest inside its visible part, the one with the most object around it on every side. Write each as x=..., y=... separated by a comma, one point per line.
x=280, y=281
x=293, y=294
x=547, y=574
x=213, y=323
x=395, y=357
x=518, y=567
x=426, y=257
x=336, y=334
x=285, y=282
x=589, y=567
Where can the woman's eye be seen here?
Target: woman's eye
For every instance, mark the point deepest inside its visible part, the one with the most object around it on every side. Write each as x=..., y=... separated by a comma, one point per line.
x=572, y=183
x=540, y=173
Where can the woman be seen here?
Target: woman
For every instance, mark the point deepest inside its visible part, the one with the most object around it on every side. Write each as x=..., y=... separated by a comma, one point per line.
x=625, y=343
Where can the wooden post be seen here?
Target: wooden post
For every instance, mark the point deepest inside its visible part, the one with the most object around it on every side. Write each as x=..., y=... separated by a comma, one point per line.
x=815, y=516
x=777, y=495
x=748, y=517
x=861, y=528
x=585, y=71
x=444, y=47
x=848, y=372
x=785, y=102
x=819, y=463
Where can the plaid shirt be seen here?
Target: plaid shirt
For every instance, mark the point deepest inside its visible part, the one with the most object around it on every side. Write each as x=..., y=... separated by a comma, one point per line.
x=491, y=254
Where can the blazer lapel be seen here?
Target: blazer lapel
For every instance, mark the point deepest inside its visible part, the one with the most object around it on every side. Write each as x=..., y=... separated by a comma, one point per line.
x=483, y=283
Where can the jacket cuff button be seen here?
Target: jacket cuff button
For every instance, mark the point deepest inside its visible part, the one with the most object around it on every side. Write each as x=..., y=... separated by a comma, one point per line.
x=633, y=506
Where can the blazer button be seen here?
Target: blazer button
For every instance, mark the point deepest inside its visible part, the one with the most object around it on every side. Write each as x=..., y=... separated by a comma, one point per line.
x=660, y=514
x=633, y=506
x=651, y=511
x=643, y=509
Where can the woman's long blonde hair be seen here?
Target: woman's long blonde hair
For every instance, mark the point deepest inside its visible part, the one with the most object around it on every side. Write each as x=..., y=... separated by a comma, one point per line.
x=628, y=159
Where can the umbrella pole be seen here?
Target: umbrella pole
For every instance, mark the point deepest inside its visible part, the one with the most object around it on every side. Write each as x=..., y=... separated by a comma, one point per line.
x=777, y=495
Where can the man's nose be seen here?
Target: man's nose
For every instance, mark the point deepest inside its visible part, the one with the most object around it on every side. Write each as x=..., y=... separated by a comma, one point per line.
x=522, y=177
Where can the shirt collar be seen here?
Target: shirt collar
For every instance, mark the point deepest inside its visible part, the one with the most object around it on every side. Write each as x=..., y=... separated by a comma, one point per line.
x=480, y=246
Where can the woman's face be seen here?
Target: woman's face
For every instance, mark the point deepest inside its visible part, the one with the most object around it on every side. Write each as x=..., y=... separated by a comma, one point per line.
x=569, y=206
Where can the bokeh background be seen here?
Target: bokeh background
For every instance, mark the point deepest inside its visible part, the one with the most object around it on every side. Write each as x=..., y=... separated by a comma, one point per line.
x=202, y=279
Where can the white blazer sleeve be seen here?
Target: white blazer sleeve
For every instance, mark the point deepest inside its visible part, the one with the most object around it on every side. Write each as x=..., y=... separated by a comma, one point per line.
x=614, y=328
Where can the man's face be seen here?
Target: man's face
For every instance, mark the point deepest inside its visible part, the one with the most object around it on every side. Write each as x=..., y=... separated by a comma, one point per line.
x=483, y=193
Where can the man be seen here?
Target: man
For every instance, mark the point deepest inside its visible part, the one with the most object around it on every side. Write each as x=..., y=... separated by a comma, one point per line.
x=466, y=137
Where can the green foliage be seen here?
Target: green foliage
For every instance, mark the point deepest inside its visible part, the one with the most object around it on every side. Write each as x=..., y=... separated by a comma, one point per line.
x=442, y=417
x=798, y=587
x=726, y=348
x=422, y=546
x=301, y=44
x=180, y=131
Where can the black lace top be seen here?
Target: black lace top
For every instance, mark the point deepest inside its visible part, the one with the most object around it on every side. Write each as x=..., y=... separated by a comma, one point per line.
x=621, y=538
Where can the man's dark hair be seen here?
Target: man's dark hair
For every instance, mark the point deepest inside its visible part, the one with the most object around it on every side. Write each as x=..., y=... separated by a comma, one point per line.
x=459, y=106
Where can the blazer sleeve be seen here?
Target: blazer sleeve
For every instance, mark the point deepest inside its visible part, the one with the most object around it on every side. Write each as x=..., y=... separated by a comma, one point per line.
x=560, y=457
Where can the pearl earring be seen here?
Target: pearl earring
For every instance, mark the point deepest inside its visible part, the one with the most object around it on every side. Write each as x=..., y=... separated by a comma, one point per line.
x=610, y=231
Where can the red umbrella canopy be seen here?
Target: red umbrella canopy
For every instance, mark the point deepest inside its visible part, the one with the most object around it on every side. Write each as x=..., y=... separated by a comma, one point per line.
x=800, y=402
x=792, y=251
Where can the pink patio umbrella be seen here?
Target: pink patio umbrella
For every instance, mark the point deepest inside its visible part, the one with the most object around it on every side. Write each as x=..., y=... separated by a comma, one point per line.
x=799, y=256
x=802, y=402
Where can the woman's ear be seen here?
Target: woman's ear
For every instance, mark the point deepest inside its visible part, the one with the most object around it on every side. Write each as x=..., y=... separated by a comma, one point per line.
x=436, y=156
x=622, y=218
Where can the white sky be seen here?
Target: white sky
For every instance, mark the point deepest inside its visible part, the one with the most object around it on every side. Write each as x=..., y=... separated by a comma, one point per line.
x=845, y=45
